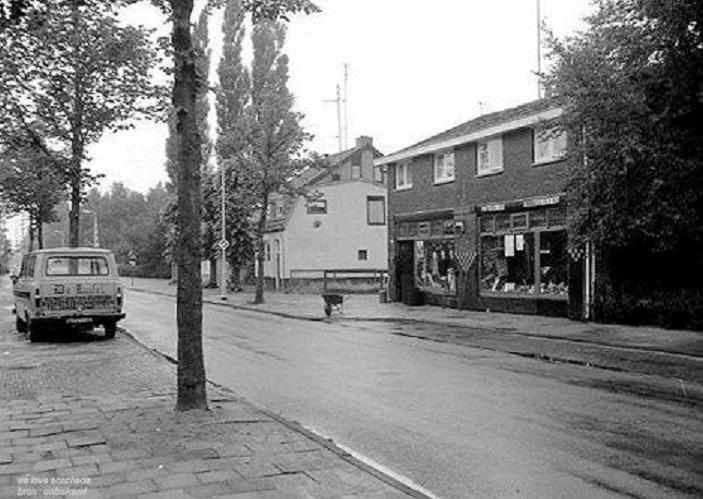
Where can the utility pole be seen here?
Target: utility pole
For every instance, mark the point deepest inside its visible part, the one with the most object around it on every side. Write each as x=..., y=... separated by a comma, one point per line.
x=346, y=115
x=338, y=101
x=539, y=51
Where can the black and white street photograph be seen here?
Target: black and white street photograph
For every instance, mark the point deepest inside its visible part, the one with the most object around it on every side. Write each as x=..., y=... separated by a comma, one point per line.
x=351, y=249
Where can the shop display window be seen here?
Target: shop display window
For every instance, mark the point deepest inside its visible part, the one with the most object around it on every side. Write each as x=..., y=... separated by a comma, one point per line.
x=553, y=262
x=507, y=263
x=435, y=266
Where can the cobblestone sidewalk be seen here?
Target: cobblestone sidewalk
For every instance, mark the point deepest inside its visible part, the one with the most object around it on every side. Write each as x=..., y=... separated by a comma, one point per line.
x=92, y=418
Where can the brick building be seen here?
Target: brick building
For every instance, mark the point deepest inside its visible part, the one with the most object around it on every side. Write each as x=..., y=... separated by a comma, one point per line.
x=477, y=217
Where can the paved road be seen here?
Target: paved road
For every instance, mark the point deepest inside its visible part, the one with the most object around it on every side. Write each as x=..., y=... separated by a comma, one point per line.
x=457, y=421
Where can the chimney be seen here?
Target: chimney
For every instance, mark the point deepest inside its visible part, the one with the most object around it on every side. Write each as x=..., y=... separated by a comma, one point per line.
x=364, y=141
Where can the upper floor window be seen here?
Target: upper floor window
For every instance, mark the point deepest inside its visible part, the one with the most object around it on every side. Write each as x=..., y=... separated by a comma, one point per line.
x=355, y=171
x=376, y=210
x=549, y=144
x=444, y=167
x=489, y=156
x=317, y=207
x=403, y=178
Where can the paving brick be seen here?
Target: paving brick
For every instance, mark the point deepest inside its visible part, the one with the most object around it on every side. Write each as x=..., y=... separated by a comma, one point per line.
x=193, y=466
x=243, y=485
x=105, y=480
x=166, y=494
x=218, y=476
x=128, y=454
x=135, y=488
x=176, y=481
x=118, y=466
x=145, y=473
x=52, y=464
x=79, y=440
x=49, y=430
x=15, y=468
x=209, y=490
x=78, y=471
x=5, y=458
x=91, y=459
x=255, y=468
x=50, y=446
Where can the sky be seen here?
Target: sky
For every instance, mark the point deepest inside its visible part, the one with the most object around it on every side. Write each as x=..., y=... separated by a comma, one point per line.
x=414, y=70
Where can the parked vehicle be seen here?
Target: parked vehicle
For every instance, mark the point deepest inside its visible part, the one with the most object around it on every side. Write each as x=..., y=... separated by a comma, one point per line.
x=77, y=287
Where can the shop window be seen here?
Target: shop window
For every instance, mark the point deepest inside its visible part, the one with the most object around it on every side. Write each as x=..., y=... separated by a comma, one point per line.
x=317, y=207
x=556, y=216
x=487, y=224
x=553, y=262
x=268, y=252
x=519, y=221
x=376, y=210
x=489, y=156
x=363, y=254
x=538, y=218
x=507, y=264
x=502, y=222
x=549, y=144
x=435, y=266
x=444, y=167
x=403, y=177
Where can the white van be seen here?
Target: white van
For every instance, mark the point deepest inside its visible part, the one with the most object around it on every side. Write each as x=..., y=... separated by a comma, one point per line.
x=68, y=286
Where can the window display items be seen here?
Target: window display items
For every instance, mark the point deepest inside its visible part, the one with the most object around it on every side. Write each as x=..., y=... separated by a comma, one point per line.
x=435, y=267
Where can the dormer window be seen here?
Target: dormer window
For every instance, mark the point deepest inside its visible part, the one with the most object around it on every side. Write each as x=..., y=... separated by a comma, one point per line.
x=444, y=167
x=549, y=144
x=317, y=207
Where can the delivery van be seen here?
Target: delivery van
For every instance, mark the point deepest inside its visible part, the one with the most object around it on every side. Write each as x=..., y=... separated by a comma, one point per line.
x=60, y=287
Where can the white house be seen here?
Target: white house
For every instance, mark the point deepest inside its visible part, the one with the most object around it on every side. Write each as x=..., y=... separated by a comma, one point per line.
x=342, y=226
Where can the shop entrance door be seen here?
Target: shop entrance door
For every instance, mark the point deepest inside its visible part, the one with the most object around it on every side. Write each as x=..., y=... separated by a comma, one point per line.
x=404, y=267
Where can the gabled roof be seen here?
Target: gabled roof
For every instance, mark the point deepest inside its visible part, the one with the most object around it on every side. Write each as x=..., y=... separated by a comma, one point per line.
x=311, y=176
x=477, y=128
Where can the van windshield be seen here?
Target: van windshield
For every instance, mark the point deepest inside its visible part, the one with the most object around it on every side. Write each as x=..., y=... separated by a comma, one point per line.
x=77, y=265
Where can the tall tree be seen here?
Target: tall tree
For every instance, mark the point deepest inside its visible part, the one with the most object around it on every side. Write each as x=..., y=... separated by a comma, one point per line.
x=631, y=86
x=272, y=129
x=81, y=72
x=191, y=368
x=233, y=95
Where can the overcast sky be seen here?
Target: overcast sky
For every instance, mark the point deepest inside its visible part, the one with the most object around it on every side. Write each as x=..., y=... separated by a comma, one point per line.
x=414, y=70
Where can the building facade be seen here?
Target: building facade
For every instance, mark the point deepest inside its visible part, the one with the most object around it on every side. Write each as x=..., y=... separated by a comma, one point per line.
x=477, y=217
x=341, y=224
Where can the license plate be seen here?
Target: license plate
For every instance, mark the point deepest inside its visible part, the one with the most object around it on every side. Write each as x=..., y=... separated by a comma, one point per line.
x=79, y=320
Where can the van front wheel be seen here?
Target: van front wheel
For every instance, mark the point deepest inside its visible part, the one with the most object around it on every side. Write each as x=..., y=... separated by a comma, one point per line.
x=35, y=330
x=110, y=329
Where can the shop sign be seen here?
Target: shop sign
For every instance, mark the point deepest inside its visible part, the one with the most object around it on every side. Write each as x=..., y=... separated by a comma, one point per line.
x=493, y=207
x=544, y=201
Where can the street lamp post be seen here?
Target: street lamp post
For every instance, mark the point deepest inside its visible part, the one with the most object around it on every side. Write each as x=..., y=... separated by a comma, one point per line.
x=223, y=240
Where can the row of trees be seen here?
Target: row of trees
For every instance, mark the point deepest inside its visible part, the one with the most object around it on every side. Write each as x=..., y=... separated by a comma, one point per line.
x=64, y=59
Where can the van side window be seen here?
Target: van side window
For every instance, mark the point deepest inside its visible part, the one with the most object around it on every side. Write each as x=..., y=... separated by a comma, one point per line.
x=82, y=265
x=23, y=268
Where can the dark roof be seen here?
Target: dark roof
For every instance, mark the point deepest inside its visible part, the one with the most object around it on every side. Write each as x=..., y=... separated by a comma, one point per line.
x=485, y=121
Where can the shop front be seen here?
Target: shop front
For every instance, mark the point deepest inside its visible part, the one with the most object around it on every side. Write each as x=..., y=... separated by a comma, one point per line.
x=523, y=258
x=426, y=259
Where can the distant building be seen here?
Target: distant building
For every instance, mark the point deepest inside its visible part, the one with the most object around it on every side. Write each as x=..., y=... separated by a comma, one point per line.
x=340, y=224
x=477, y=218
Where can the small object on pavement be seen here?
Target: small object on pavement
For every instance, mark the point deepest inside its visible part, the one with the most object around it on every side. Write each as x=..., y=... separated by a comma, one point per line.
x=333, y=300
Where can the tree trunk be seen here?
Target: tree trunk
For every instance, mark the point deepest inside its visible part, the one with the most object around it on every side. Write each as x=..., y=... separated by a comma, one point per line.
x=191, y=366
x=74, y=230
x=40, y=235
x=213, y=272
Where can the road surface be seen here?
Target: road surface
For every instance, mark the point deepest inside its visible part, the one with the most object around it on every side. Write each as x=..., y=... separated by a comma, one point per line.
x=457, y=421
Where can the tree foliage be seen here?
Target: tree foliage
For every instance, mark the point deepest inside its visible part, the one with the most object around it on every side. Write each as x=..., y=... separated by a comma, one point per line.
x=32, y=178
x=631, y=86
x=80, y=72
